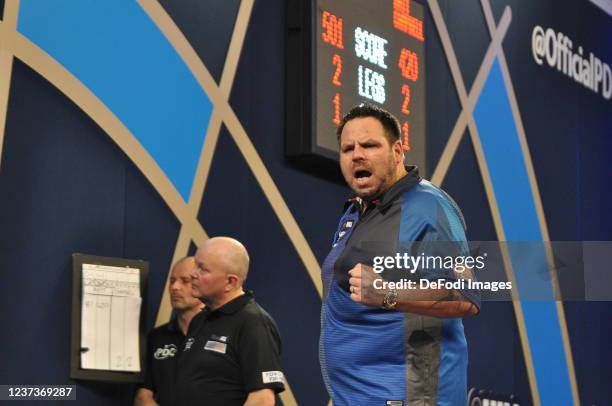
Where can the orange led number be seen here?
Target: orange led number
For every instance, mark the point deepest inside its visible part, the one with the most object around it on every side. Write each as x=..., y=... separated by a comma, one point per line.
x=406, y=134
x=406, y=93
x=409, y=64
x=337, y=61
x=404, y=22
x=336, y=101
x=332, y=30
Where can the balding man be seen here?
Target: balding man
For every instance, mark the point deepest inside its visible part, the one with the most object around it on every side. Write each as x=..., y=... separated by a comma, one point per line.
x=165, y=341
x=232, y=353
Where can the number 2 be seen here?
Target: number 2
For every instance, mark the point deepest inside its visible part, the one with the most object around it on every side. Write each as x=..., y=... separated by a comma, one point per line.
x=406, y=93
x=336, y=60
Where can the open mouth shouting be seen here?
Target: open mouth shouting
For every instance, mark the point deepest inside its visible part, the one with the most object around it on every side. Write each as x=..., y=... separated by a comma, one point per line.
x=362, y=177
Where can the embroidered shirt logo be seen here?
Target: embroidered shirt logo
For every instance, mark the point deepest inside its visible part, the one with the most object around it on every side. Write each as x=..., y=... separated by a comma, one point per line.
x=216, y=346
x=168, y=351
x=188, y=344
x=343, y=231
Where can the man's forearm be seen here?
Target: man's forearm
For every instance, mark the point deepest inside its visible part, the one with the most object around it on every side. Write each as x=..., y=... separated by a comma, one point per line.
x=440, y=309
x=441, y=303
x=262, y=397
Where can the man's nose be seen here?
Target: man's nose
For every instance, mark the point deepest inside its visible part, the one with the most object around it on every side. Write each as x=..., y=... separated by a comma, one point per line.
x=358, y=153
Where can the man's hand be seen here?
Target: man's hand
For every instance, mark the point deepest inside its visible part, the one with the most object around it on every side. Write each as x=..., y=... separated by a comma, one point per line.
x=361, y=285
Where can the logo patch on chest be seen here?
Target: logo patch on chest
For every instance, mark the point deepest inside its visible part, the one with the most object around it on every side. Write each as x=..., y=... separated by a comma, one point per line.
x=216, y=346
x=189, y=343
x=343, y=231
x=168, y=351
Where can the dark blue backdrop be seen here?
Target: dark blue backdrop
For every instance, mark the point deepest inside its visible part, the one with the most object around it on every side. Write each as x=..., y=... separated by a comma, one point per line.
x=66, y=187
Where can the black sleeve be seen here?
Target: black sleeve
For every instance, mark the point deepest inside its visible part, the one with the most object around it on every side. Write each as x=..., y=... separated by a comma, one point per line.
x=260, y=348
x=148, y=380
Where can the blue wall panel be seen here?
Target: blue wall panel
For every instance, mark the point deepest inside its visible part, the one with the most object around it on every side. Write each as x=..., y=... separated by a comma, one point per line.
x=66, y=187
x=508, y=171
x=114, y=48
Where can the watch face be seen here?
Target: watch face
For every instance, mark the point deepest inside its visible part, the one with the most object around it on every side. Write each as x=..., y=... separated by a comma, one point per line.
x=390, y=300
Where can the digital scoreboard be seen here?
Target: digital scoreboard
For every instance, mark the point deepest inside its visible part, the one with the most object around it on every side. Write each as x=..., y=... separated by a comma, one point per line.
x=341, y=53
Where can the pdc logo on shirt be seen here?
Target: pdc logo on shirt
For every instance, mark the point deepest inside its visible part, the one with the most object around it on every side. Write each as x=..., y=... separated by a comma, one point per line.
x=168, y=351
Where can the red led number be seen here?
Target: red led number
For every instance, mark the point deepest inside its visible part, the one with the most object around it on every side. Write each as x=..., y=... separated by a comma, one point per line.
x=406, y=135
x=406, y=93
x=336, y=101
x=332, y=30
x=409, y=64
x=337, y=61
x=404, y=22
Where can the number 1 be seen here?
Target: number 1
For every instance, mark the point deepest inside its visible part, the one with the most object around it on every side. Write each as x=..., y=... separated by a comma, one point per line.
x=406, y=134
x=336, y=100
x=336, y=60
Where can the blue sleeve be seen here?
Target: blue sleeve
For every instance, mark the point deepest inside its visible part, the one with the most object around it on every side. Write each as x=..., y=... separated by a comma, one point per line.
x=432, y=228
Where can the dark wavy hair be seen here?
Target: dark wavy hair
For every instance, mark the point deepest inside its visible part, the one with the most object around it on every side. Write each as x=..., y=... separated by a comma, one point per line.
x=388, y=120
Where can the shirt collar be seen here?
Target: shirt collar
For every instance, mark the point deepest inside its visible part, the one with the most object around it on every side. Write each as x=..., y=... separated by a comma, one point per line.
x=173, y=326
x=235, y=304
x=399, y=187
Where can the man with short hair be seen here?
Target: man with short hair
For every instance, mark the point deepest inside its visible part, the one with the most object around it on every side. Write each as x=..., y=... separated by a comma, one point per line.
x=165, y=341
x=232, y=353
x=390, y=346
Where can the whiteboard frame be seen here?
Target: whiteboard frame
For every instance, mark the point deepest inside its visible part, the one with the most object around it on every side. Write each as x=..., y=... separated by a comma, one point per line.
x=76, y=372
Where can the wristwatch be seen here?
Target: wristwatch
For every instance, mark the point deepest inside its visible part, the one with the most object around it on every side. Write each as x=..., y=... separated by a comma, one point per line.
x=390, y=300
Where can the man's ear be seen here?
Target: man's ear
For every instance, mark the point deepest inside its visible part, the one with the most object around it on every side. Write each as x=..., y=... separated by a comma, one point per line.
x=232, y=282
x=398, y=152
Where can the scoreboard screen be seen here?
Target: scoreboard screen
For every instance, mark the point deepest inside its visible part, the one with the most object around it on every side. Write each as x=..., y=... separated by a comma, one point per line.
x=355, y=51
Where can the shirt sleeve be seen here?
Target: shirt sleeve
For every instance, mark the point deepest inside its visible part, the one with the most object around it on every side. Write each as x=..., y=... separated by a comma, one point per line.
x=260, y=348
x=438, y=237
x=148, y=379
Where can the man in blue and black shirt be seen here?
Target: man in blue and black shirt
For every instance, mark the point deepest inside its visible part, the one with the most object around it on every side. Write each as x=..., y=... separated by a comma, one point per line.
x=388, y=346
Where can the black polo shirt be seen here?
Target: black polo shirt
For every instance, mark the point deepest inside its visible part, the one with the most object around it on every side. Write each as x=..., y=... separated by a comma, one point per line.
x=164, y=345
x=229, y=352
